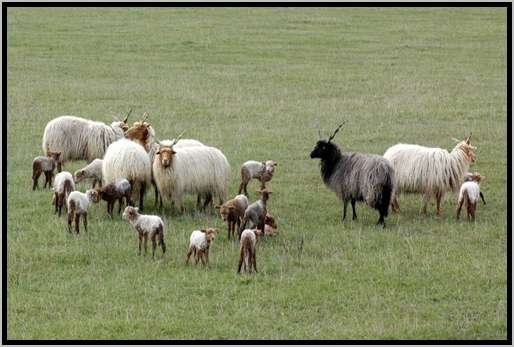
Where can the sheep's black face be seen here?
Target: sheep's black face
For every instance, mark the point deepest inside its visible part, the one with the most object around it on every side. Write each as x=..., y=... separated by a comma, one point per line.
x=323, y=150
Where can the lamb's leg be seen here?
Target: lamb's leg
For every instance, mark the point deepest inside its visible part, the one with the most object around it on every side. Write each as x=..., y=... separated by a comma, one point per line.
x=94, y=183
x=77, y=222
x=110, y=207
x=85, y=221
x=345, y=205
x=163, y=245
x=241, y=257
x=48, y=179
x=354, y=211
x=70, y=220
x=145, y=242
x=35, y=177
x=140, y=240
x=120, y=203
x=426, y=199
x=254, y=261
x=207, y=257
x=482, y=197
x=60, y=202
x=461, y=202
x=154, y=245
x=240, y=188
x=56, y=202
x=439, y=197
x=473, y=209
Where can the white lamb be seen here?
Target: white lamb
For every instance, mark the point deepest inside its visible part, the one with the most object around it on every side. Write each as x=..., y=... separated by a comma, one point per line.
x=91, y=171
x=470, y=193
x=62, y=187
x=146, y=225
x=263, y=171
x=78, y=203
x=199, y=244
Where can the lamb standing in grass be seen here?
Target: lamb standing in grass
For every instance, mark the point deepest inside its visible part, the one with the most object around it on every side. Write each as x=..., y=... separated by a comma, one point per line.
x=63, y=186
x=47, y=166
x=78, y=203
x=469, y=194
x=146, y=226
x=91, y=171
x=256, y=212
x=199, y=245
x=247, y=247
x=263, y=171
x=116, y=191
x=232, y=212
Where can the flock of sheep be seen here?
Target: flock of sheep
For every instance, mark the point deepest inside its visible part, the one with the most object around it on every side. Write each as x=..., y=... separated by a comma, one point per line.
x=124, y=160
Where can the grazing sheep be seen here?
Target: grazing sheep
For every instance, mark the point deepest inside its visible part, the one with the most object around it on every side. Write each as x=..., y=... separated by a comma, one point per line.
x=63, y=186
x=470, y=193
x=92, y=171
x=232, y=212
x=146, y=225
x=429, y=171
x=45, y=165
x=199, y=244
x=116, y=191
x=356, y=176
x=127, y=159
x=199, y=170
x=247, y=247
x=256, y=212
x=78, y=203
x=263, y=171
x=81, y=139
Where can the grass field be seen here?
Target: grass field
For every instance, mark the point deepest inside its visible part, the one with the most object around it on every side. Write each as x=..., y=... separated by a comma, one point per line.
x=255, y=83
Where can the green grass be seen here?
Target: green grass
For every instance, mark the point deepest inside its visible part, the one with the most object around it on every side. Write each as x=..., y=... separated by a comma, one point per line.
x=255, y=83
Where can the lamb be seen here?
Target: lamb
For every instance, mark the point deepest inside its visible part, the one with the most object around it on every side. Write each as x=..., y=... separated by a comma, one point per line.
x=247, y=246
x=92, y=171
x=199, y=170
x=199, y=244
x=263, y=171
x=270, y=227
x=116, y=192
x=81, y=139
x=45, y=165
x=256, y=212
x=63, y=186
x=232, y=212
x=470, y=193
x=356, y=176
x=78, y=203
x=146, y=226
x=429, y=171
x=474, y=176
x=127, y=159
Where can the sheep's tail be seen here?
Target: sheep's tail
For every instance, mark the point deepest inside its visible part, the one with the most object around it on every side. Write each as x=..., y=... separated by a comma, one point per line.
x=71, y=207
x=67, y=189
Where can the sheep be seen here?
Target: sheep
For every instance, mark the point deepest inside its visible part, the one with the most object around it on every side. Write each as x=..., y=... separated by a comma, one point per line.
x=470, y=193
x=78, y=203
x=474, y=176
x=143, y=133
x=270, y=227
x=429, y=171
x=263, y=171
x=45, y=165
x=199, y=244
x=91, y=171
x=62, y=187
x=146, y=225
x=356, y=176
x=81, y=139
x=256, y=212
x=247, y=247
x=200, y=170
x=116, y=191
x=127, y=159
x=232, y=212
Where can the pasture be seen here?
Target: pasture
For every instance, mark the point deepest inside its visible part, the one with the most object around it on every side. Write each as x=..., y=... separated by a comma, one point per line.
x=256, y=82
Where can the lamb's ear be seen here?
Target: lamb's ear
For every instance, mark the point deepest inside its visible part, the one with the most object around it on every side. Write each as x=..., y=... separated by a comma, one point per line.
x=217, y=207
x=158, y=151
x=203, y=231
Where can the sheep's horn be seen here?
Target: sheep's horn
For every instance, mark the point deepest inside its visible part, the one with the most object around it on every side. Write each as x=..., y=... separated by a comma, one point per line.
x=469, y=137
x=128, y=114
x=178, y=138
x=336, y=131
x=145, y=117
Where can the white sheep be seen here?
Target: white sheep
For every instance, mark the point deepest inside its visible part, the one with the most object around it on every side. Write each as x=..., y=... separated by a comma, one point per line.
x=81, y=139
x=247, y=250
x=263, y=171
x=199, y=170
x=127, y=159
x=199, y=244
x=91, y=171
x=470, y=193
x=146, y=226
x=429, y=171
x=62, y=187
x=78, y=203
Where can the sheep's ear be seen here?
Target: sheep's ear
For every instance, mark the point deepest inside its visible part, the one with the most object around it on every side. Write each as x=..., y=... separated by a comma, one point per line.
x=203, y=231
x=158, y=152
x=275, y=163
x=217, y=207
x=136, y=209
x=468, y=138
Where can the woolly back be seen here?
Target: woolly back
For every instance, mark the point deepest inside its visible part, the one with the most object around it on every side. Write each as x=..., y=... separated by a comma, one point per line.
x=60, y=179
x=126, y=159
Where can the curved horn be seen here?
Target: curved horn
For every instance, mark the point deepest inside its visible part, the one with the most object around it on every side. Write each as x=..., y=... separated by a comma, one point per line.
x=178, y=138
x=128, y=114
x=336, y=131
x=145, y=117
x=469, y=137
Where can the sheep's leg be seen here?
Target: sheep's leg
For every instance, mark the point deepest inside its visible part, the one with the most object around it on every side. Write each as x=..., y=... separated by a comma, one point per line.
x=145, y=243
x=439, y=197
x=482, y=197
x=35, y=177
x=156, y=194
x=60, y=202
x=345, y=204
x=208, y=200
x=189, y=252
x=254, y=261
x=163, y=245
x=77, y=222
x=70, y=219
x=120, y=203
x=140, y=240
x=154, y=245
x=85, y=221
x=426, y=199
x=394, y=204
x=354, y=211
x=381, y=220
x=110, y=207
x=461, y=202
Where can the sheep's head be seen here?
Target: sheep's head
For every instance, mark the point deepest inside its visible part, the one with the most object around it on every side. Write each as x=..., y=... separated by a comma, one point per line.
x=226, y=210
x=474, y=176
x=264, y=194
x=269, y=220
x=165, y=154
x=79, y=175
x=325, y=149
x=270, y=166
x=93, y=195
x=210, y=234
x=466, y=147
x=54, y=155
x=130, y=213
